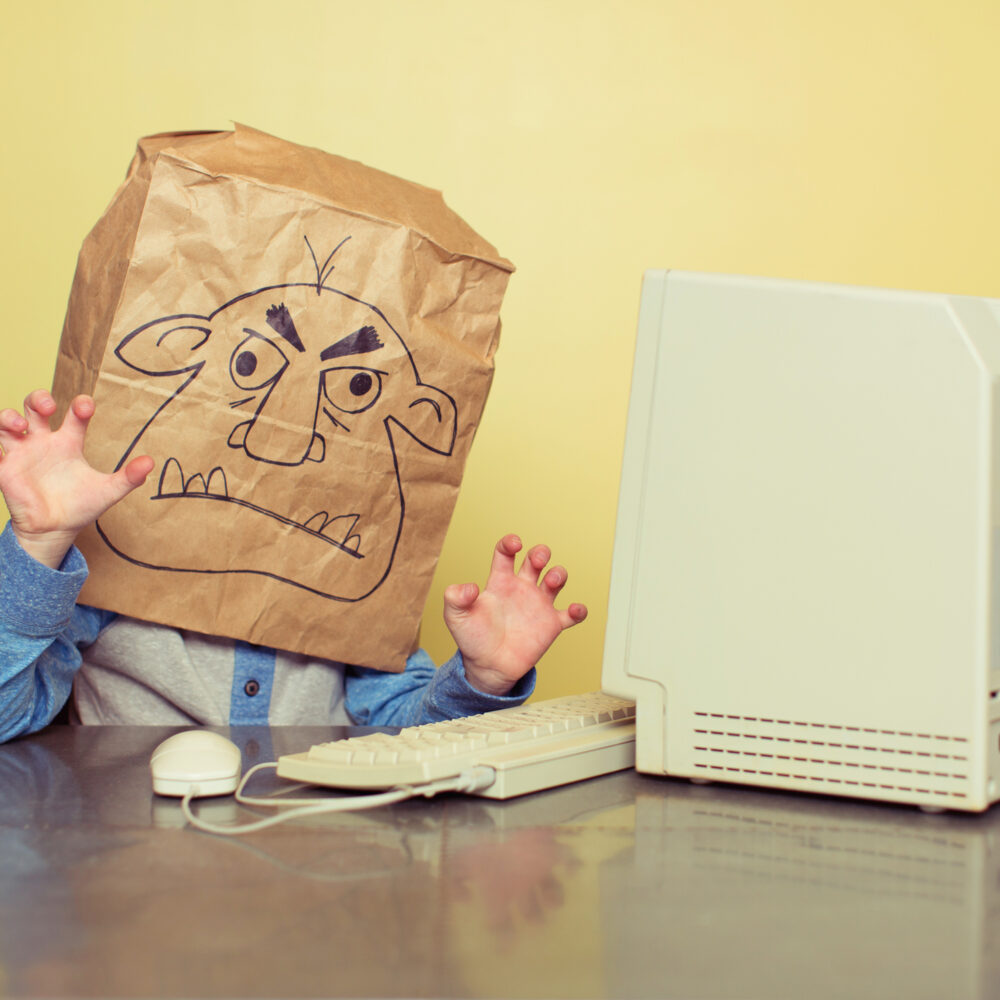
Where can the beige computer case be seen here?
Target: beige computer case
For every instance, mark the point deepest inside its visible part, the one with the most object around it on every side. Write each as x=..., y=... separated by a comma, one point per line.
x=804, y=592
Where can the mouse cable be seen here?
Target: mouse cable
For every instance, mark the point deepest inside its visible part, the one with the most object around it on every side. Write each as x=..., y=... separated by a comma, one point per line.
x=472, y=780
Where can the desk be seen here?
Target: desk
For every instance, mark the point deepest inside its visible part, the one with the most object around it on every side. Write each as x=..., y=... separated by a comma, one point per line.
x=624, y=886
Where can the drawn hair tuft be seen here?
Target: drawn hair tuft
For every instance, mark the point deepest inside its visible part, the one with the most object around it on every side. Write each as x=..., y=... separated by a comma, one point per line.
x=322, y=273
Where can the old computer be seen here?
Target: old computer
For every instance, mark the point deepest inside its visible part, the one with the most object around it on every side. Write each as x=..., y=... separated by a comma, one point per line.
x=805, y=589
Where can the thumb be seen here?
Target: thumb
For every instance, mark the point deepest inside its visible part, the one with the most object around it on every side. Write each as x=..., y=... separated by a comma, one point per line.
x=127, y=479
x=459, y=598
x=137, y=470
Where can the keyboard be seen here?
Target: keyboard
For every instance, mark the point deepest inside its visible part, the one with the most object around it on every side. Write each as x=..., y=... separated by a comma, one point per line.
x=535, y=746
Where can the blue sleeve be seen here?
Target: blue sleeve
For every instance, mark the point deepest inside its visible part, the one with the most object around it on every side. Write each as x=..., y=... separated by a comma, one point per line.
x=423, y=693
x=41, y=628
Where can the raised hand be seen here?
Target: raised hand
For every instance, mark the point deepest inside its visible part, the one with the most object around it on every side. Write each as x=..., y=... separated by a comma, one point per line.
x=50, y=490
x=503, y=631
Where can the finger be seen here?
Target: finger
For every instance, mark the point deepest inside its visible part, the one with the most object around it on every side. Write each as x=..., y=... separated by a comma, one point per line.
x=38, y=407
x=78, y=417
x=138, y=469
x=11, y=422
x=459, y=597
x=534, y=562
x=122, y=482
x=573, y=615
x=554, y=581
x=503, y=555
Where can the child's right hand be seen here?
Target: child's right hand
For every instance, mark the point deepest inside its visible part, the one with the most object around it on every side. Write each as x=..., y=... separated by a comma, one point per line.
x=50, y=489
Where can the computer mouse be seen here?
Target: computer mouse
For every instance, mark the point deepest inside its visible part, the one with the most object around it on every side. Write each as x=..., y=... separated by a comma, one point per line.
x=197, y=761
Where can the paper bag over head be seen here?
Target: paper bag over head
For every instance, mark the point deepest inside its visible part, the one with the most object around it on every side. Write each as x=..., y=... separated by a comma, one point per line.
x=304, y=345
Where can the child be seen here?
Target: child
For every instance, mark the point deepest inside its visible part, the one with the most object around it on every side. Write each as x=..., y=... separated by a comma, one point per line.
x=124, y=671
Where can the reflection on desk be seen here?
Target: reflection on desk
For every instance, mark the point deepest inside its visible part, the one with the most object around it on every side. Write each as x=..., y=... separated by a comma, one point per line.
x=623, y=886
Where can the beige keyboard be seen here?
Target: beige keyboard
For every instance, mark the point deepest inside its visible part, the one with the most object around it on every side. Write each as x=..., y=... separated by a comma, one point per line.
x=535, y=746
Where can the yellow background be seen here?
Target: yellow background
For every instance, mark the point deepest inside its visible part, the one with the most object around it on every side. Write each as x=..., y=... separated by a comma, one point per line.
x=851, y=141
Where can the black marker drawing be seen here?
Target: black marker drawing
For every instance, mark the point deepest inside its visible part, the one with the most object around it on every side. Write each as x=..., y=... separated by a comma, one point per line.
x=285, y=387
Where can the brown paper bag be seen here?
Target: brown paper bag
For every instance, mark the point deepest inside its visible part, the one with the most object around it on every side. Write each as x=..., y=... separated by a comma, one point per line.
x=304, y=345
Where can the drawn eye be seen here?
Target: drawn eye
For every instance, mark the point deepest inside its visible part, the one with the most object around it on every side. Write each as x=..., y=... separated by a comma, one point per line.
x=255, y=362
x=352, y=390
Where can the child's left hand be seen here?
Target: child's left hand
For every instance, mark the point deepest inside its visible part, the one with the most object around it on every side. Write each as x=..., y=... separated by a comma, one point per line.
x=503, y=631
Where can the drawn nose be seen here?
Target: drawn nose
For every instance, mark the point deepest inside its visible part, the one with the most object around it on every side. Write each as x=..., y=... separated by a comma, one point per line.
x=277, y=445
x=282, y=431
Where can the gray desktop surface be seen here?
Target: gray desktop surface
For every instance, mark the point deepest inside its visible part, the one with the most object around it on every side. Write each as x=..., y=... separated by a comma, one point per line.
x=624, y=886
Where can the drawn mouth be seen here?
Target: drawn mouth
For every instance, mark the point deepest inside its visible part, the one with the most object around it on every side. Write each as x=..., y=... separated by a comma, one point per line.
x=338, y=530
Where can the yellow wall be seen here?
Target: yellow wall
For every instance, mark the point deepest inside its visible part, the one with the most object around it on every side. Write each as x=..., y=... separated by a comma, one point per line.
x=854, y=142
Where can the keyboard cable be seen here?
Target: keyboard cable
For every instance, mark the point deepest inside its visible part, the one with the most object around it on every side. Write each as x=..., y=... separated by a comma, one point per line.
x=472, y=780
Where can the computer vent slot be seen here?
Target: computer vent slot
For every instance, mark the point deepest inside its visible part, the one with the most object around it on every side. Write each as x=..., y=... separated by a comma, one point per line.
x=843, y=759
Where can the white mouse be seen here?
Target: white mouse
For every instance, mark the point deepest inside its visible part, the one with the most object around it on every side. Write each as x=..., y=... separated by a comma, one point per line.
x=197, y=761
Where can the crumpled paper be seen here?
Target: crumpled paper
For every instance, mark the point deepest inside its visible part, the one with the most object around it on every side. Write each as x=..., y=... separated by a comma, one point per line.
x=304, y=345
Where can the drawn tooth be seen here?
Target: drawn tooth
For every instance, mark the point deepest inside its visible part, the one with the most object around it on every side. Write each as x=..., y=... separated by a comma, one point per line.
x=171, y=479
x=337, y=529
x=196, y=484
x=317, y=522
x=217, y=484
x=352, y=543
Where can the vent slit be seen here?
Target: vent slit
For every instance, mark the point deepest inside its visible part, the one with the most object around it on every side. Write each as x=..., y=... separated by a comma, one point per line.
x=827, y=759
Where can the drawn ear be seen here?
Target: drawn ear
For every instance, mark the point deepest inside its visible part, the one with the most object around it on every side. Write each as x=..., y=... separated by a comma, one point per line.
x=431, y=418
x=167, y=346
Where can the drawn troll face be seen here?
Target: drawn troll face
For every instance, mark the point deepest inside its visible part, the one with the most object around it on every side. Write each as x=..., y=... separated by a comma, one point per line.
x=287, y=394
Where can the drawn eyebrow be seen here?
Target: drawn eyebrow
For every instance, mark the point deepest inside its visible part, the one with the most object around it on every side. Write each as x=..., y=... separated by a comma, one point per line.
x=279, y=319
x=362, y=341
